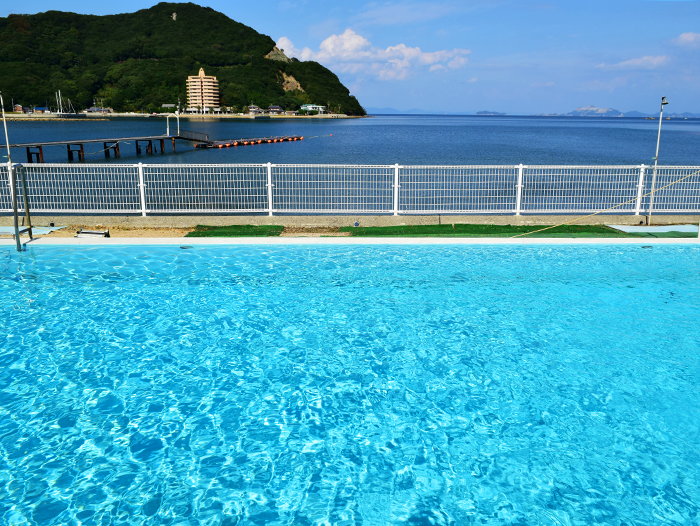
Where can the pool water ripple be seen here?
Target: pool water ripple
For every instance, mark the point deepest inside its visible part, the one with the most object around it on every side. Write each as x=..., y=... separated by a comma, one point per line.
x=350, y=385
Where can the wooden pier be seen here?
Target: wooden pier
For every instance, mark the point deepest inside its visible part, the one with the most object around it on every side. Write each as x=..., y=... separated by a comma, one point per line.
x=149, y=144
x=76, y=148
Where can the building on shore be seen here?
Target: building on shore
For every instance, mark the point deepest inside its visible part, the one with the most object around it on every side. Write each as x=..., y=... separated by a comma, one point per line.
x=313, y=107
x=202, y=91
x=275, y=110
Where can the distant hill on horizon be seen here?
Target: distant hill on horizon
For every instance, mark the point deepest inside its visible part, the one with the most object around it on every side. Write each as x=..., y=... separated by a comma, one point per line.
x=139, y=61
x=592, y=111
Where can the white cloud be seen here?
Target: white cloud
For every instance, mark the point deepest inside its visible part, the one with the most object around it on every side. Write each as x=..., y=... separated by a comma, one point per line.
x=353, y=53
x=687, y=40
x=648, y=62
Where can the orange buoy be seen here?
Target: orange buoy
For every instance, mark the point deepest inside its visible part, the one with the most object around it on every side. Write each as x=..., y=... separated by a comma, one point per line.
x=259, y=142
x=235, y=143
x=221, y=146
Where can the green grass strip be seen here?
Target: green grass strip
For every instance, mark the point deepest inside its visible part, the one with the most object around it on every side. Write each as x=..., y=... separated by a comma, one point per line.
x=468, y=230
x=236, y=231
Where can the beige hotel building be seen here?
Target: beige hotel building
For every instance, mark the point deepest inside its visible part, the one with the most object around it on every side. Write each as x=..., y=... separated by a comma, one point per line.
x=202, y=91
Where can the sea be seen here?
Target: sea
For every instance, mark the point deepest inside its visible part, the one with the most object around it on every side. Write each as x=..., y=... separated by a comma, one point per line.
x=386, y=139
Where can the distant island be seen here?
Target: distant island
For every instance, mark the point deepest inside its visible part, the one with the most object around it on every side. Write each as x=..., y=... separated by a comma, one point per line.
x=140, y=61
x=489, y=113
x=593, y=111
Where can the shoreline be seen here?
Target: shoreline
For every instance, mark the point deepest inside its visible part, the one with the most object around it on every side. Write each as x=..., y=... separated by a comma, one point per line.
x=108, y=116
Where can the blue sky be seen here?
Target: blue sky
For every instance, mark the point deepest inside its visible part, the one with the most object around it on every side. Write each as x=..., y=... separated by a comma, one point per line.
x=518, y=57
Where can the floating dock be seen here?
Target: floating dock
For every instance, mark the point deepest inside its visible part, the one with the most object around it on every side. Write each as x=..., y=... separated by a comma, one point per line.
x=248, y=142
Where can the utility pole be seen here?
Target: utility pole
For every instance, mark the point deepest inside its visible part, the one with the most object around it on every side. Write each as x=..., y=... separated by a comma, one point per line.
x=656, y=161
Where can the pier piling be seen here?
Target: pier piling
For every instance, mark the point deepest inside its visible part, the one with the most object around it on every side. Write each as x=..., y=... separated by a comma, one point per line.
x=114, y=146
x=38, y=155
x=80, y=151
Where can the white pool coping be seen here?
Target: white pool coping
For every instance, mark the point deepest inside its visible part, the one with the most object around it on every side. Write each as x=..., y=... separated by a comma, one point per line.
x=652, y=229
x=190, y=241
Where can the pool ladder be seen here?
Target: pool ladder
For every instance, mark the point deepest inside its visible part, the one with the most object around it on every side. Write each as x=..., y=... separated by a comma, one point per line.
x=13, y=190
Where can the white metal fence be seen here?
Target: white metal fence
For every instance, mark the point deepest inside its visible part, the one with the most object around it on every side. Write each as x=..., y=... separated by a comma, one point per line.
x=351, y=189
x=5, y=196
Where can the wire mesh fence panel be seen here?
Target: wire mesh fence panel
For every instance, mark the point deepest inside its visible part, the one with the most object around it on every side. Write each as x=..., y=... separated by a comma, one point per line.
x=332, y=189
x=86, y=188
x=347, y=189
x=457, y=189
x=206, y=188
x=5, y=200
x=681, y=197
x=579, y=189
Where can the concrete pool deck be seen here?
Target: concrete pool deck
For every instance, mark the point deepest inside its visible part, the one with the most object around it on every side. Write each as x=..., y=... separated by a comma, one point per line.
x=325, y=221
x=181, y=241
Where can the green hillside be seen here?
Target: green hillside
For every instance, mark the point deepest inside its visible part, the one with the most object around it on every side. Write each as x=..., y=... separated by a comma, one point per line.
x=138, y=61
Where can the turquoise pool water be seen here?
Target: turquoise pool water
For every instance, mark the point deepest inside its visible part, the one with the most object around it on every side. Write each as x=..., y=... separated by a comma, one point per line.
x=350, y=385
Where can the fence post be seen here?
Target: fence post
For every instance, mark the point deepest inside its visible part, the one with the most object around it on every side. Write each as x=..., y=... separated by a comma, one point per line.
x=519, y=191
x=396, y=189
x=269, y=188
x=142, y=188
x=9, y=181
x=640, y=191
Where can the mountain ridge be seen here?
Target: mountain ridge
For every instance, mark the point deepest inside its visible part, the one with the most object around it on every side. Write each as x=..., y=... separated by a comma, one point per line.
x=141, y=60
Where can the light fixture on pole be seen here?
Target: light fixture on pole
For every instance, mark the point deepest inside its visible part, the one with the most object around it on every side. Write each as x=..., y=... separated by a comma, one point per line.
x=656, y=161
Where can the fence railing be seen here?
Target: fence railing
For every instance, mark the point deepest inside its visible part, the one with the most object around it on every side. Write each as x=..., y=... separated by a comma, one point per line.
x=351, y=189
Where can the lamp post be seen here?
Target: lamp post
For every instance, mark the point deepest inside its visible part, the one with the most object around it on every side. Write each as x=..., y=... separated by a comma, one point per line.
x=656, y=161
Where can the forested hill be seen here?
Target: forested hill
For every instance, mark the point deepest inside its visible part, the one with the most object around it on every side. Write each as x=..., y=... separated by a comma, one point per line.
x=139, y=61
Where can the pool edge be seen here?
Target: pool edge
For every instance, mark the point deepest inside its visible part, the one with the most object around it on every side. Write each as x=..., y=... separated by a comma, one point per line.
x=348, y=241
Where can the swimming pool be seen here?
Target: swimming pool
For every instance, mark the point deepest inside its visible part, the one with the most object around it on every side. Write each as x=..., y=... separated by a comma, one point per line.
x=350, y=385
